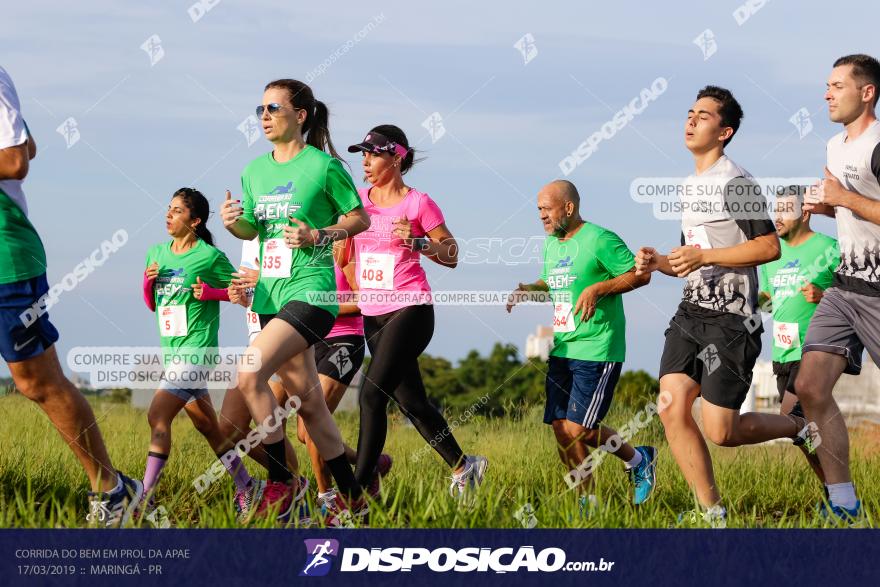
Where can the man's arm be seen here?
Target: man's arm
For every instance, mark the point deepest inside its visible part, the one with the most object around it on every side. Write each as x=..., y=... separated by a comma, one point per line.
x=865, y=207
x=14, y=161
x=521, y=293
x=834, y=194
x=586, y=302
x=649, y=260
x=757, y=251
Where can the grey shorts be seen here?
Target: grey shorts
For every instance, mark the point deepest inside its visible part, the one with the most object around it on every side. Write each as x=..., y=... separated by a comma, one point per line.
x=846, y=323
x=185, y=381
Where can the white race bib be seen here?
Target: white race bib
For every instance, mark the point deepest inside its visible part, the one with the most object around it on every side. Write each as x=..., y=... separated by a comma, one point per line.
x=696, y=237
x=172, y=320
x=563, y=318
x=786, y=335
x=253, y=322
x=377, y=271
x=276, y=258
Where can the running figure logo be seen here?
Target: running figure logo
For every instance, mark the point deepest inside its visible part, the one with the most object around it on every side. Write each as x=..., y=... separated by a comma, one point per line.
x=153, y=47
x=527, y=48
x=249, y=127
x=801, y=121
x=706, y=42
x=342, y=360
x=709, y=357
x=99, y=511
x=70, y=131
x=434, y=125
x=317, y=561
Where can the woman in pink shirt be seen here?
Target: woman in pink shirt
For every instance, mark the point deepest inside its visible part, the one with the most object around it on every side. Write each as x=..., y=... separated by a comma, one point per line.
x=395, y=301
x=339, y=357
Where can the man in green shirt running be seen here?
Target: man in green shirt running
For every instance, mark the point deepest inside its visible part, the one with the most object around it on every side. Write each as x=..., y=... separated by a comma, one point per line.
x=27, y=338
x=586, y=269
x=792, y=286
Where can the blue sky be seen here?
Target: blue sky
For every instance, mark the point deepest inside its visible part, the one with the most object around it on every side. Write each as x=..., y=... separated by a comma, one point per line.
x=146, y=130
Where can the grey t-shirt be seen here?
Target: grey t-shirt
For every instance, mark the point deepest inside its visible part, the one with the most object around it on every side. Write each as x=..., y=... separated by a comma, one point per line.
x=723, y=207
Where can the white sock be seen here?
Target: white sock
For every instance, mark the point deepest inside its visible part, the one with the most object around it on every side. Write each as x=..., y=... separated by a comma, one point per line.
x=635, y=461
x=843, y=495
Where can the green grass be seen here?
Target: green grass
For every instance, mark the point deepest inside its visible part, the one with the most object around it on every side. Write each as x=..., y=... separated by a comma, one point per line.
x=42, y=485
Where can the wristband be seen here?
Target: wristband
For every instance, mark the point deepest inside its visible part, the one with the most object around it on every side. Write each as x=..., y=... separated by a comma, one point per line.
x=419, y=243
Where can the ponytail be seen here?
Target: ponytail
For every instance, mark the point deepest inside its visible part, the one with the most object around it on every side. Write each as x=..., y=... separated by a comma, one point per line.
x=319, y=130
x=316, y=128
x=199, y=208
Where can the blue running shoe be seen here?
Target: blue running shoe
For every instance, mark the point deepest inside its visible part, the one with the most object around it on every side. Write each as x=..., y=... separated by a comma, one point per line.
x=642, y=476
x=115, y=509
x=840, y=515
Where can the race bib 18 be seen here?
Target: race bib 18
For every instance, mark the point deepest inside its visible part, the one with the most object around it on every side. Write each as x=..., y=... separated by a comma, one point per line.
x=253, y=322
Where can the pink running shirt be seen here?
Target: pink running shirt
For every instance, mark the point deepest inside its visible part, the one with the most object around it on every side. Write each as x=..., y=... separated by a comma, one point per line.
x=384, y=266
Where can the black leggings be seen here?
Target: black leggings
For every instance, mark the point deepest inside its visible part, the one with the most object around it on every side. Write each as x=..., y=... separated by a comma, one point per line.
x=396, y=340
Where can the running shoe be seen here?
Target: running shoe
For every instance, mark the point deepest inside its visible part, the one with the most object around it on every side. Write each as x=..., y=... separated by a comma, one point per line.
x=714, y=517
x=115, y=508
x=325, y=500
x=839, y=515
x=471, y=478
x=642, y=476
x=808, y=436
x=277, y=500
x=300, y=505
x=246, y=500
x=382, y=469
x=340, y=514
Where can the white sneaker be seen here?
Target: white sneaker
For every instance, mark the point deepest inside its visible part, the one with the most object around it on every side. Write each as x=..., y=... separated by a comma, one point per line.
x=326, y=499
x=472, y=476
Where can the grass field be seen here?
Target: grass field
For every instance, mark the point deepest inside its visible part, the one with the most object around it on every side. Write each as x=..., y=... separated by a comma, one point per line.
x=41, y=484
